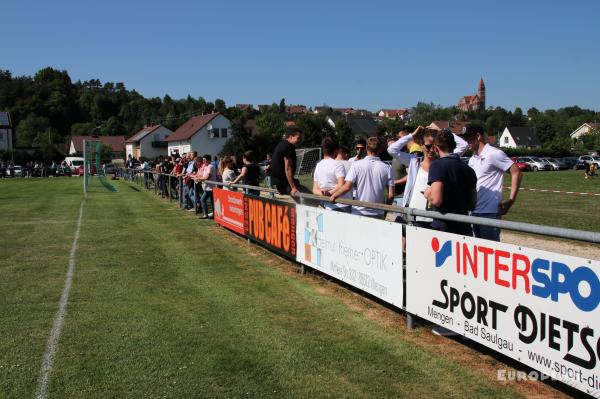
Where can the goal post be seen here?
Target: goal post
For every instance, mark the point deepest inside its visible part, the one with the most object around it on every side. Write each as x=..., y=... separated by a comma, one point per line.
x=307, y=159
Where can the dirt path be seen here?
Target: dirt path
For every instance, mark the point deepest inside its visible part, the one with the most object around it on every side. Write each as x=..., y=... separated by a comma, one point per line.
x=567, y=247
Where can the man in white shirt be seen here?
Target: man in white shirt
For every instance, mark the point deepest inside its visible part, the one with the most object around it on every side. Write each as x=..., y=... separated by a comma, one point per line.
x=371, y=177
x=329, y=176
x=490, y=164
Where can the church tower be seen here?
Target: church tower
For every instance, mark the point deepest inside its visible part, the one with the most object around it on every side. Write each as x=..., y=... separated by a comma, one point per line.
x=481, y=94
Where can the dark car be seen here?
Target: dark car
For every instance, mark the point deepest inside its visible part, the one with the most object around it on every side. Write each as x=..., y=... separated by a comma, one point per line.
x=569, y=161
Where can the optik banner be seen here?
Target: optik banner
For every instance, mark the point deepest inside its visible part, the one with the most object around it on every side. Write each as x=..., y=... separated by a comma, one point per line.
x=363, y=252
x=229, y=209
x=271, y=223
x=539, y=308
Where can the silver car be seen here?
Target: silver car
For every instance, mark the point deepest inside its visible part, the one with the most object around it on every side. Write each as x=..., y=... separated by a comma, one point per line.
x=556, y=164
x=537, y=164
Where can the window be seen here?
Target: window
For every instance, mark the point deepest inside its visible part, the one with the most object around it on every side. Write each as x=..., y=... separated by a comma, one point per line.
x=224, y=132
x=215, y=132
x=506, y=140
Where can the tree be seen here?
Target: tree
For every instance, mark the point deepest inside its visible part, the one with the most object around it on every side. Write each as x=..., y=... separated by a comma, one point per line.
x=220, y=106
x=29, y=128
x=282, y=107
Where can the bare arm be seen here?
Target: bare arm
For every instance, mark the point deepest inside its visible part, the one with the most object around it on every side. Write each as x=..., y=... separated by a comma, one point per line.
x=289, y=173
x=316, y=189
x=241, y=175
x=515, y=183
x=342, y=190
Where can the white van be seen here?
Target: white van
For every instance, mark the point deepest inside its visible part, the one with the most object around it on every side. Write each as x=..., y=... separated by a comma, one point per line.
x=74, y=162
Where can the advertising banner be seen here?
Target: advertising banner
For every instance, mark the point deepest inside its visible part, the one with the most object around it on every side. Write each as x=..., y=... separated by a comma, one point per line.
x=229, y=209
x=363, y=252
x=537, y=307
x=271, y=223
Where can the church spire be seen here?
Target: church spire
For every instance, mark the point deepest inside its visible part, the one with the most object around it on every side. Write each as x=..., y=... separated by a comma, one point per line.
x=481, y=94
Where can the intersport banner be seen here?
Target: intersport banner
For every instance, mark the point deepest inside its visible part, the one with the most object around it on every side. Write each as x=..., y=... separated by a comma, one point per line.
x=363, y=252
x=539, y=308
x=271, y=223
x=229, y=209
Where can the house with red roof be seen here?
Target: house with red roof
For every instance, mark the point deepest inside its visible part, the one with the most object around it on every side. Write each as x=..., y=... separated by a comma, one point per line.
x=149, y=142
x=297, y=109
x=116, y=144
x=403, y=114
x=205, y=134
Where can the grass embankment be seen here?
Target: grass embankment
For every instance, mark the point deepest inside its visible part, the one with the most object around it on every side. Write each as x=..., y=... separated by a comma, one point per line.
x=165, y=305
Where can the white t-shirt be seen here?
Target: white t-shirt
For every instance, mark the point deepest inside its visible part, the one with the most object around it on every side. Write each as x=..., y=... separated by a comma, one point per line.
x=370, y=176
x=417, y=199
x=489, y=166
x=327, y=173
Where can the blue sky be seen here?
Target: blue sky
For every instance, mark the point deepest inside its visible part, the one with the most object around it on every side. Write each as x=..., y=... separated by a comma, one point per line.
x=380, y=54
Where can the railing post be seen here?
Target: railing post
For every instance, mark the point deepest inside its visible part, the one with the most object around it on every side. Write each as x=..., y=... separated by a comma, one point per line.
x=302, y=267
x=180, y=195
x=169, y=189
x=195, y=198
x=411, y=320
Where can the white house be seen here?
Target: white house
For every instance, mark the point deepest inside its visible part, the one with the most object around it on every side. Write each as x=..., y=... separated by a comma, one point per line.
x=519, y=137
x=150, y=142
x=584, y=129
x=6, y=136
x=205, y=134
x=116, y=144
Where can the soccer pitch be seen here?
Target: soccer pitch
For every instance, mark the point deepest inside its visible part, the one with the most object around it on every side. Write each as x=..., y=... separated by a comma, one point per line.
x=165, y=305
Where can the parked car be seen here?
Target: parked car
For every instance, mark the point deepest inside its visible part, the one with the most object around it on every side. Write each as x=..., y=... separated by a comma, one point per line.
x=587, y=158
x=109, y=168
x=63, y=171
x=80, y=171
x=74, y=163
x=569, y=161
x=556, y=164
x=536, y=163
x=521, y=164
x=15, y=171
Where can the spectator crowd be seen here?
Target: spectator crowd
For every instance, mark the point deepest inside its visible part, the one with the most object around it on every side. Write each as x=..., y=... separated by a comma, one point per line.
x=426, y=173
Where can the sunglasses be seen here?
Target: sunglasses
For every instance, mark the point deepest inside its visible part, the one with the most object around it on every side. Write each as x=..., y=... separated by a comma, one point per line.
x=360, y=148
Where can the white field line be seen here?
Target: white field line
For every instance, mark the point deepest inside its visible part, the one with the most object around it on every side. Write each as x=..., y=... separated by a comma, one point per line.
x=556, y=191
x=52, y=345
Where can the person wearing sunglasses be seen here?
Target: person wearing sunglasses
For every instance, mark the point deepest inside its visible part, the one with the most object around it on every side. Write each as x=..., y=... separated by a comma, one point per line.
x=418, y=169
x=361, y=150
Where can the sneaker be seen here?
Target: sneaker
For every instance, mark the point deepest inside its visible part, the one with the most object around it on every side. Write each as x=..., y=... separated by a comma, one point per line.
x=191, y=210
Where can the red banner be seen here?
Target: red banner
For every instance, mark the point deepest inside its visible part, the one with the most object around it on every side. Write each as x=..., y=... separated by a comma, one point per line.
x=229, y=209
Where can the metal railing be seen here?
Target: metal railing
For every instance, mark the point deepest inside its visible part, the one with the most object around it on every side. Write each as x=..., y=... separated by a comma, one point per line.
x=411, y=213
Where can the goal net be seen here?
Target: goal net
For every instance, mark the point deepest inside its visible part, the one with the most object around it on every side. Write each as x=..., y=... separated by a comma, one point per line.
x=307, y=160
x=92, y=166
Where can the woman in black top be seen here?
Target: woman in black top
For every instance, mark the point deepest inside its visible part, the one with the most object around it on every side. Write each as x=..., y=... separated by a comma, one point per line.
x=250, y=173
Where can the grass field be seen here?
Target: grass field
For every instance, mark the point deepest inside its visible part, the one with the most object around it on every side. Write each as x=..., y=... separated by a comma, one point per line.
x=551, y=209
x=165, y=305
